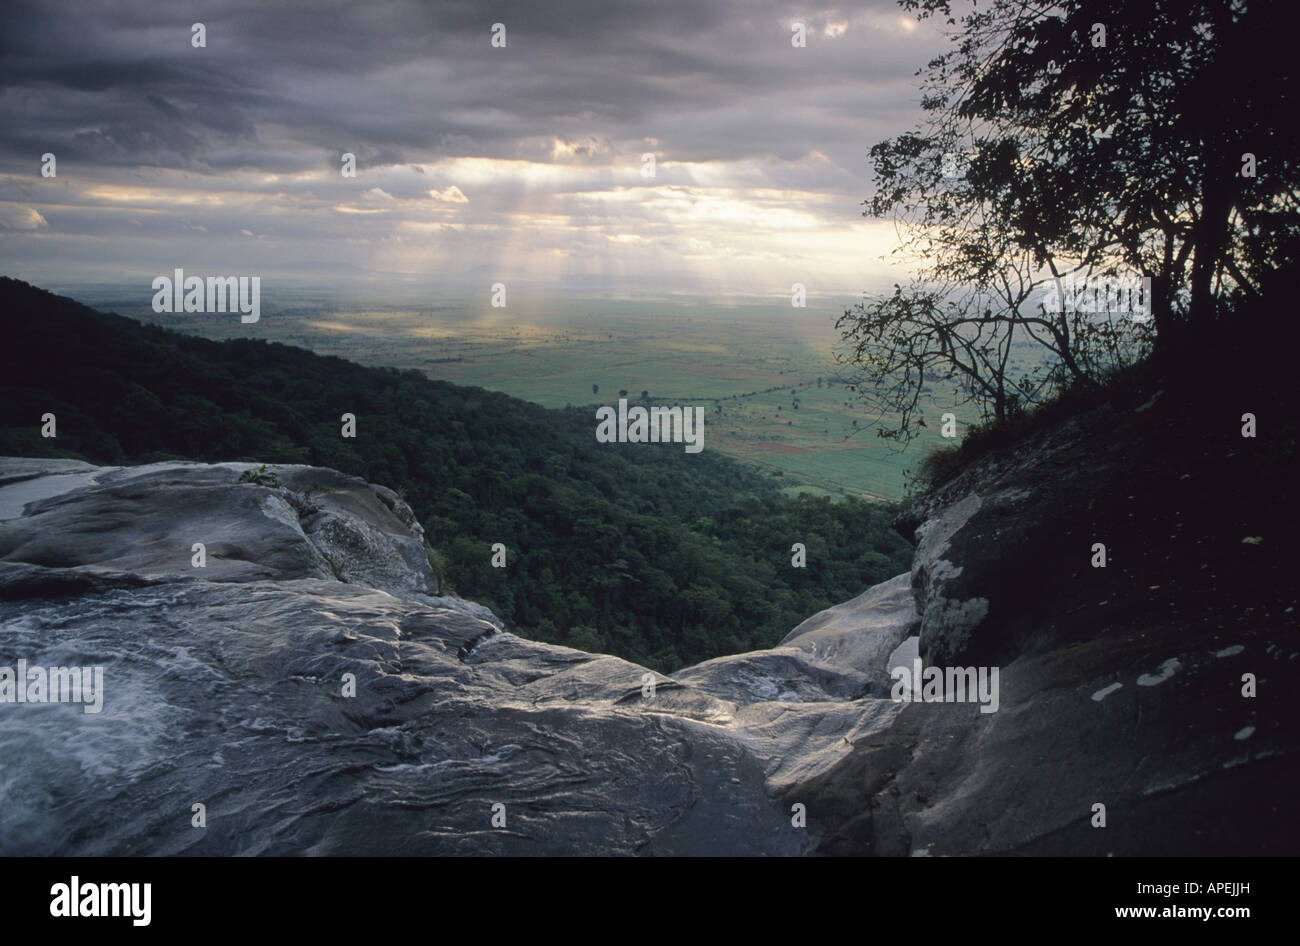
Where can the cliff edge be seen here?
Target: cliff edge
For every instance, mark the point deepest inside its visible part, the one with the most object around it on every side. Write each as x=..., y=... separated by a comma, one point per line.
x=274, y=648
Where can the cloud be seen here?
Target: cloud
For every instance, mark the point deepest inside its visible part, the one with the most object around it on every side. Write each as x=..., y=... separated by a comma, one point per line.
x=14, y=217
x=243, y=138
x=450, y=194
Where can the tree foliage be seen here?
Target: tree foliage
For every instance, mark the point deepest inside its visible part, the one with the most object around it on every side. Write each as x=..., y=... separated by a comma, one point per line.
x=1078, y=142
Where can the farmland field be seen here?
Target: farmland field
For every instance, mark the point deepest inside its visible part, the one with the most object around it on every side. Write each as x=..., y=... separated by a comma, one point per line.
x=765, y=374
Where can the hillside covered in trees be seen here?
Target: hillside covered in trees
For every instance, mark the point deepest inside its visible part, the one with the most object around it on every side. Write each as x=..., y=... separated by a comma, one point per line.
x=649, y=553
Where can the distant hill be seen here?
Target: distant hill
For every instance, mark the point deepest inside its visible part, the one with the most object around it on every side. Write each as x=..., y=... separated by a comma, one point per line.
x=642, y=551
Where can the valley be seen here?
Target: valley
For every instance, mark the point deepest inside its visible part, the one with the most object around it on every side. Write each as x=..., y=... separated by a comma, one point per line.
x=765, y=375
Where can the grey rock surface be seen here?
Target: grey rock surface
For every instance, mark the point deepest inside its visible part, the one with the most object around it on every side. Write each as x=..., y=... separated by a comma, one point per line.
x=838, y=654
x=224, y=686
x=1122, y=685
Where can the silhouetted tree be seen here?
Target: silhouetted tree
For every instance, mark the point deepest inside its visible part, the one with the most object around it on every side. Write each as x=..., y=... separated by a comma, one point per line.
x=1082, y=139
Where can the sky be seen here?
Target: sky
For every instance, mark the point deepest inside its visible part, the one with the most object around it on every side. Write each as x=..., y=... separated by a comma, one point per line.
x=475, y=164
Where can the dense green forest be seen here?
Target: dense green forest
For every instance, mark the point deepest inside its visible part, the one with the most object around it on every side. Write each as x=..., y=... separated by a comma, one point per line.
x=652, y=554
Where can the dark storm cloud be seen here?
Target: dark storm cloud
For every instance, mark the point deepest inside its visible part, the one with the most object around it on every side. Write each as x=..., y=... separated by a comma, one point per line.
x=121, y=83
x=525, y=160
